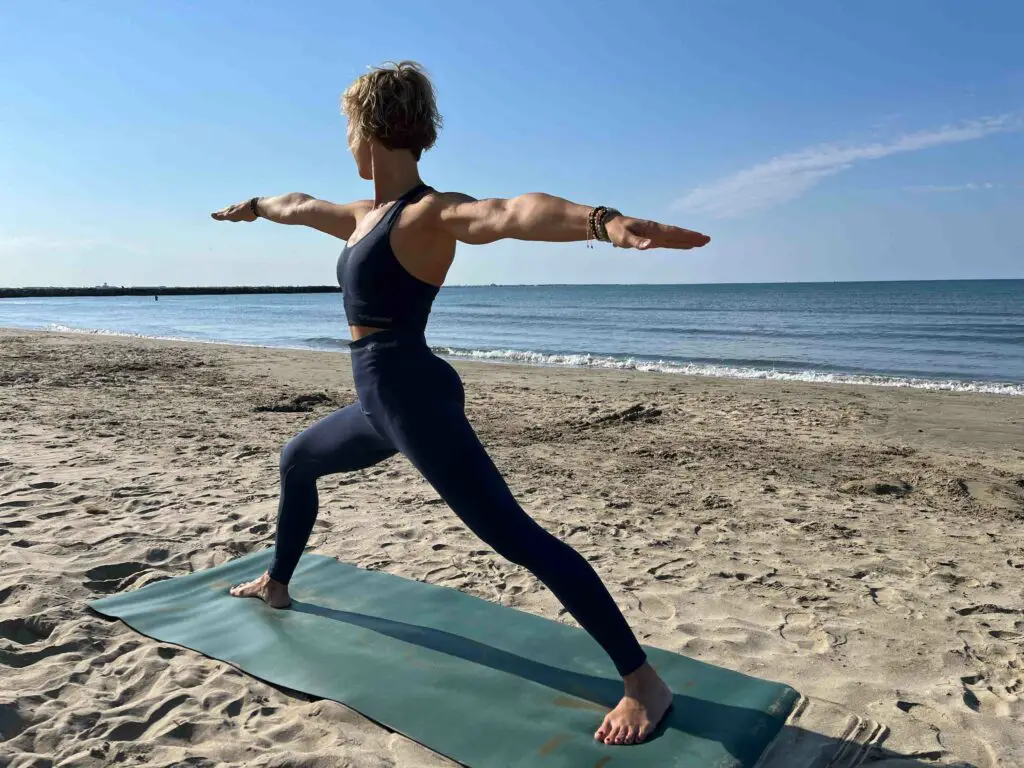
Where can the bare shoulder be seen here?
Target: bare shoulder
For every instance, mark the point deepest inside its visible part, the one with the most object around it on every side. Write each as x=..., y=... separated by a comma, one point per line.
x=358, y=208
x=439, y=206
x=432, y=207
x=440, y=201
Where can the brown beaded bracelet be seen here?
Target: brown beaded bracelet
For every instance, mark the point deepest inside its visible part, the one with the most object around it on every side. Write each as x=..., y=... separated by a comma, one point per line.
x=592, y=227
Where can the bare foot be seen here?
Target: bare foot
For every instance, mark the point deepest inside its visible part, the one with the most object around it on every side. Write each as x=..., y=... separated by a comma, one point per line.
x=646, y=701
x=273, y=593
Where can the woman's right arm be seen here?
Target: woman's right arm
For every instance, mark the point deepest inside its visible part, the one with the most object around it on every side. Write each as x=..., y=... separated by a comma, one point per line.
x=299, y=208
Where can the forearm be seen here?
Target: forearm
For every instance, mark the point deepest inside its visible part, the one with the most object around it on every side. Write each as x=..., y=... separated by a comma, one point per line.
x=538, y=216
x=284, y=209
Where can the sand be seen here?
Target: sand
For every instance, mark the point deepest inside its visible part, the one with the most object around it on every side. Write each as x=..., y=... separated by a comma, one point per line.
x=862, y=544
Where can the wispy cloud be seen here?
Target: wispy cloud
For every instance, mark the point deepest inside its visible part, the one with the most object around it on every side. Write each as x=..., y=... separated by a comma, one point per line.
x=968, y=187
x=789, y=176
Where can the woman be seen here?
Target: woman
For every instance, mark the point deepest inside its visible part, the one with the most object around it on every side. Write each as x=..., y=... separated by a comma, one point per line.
x=399, y=248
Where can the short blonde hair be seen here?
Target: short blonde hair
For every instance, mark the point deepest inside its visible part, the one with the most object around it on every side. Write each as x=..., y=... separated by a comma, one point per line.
x=394, y=103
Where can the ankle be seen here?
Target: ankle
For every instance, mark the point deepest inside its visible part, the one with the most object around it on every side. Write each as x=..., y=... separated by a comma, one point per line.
x=273, y=583
x=642, y=677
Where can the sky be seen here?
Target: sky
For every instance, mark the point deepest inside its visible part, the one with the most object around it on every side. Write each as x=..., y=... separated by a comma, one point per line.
x=813, y=140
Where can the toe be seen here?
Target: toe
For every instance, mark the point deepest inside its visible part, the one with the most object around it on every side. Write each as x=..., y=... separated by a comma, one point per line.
x=630, y=735
x=643, y=732
x=620, y=735
x=602, y=732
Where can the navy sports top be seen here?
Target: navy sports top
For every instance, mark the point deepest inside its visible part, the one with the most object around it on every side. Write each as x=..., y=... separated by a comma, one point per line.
x=378, y=291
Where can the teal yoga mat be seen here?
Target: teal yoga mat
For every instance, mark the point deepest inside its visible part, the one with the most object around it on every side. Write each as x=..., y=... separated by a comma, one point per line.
x=489, y=686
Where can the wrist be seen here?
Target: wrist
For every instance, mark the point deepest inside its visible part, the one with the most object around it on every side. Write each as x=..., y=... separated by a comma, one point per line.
x=597, y=223
x=254, y=206
x=602, y=224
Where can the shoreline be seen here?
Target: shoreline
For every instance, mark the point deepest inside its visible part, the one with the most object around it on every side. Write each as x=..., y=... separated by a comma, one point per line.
x=157, y=290
x=541, y=360
x=861, y=544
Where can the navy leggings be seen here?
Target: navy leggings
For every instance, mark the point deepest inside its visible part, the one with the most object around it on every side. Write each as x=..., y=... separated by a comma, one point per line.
x=412, y=402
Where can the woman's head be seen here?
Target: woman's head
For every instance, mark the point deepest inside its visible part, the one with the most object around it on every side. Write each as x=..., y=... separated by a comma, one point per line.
x=393, y=105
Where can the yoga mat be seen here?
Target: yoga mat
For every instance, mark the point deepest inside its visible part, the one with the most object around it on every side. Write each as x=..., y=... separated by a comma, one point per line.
x=486, y=685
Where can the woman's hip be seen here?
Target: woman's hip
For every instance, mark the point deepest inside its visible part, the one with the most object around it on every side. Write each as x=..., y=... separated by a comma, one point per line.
x=394, y=369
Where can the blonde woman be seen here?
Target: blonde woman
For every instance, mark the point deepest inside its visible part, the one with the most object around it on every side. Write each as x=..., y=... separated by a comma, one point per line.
x=399, y=248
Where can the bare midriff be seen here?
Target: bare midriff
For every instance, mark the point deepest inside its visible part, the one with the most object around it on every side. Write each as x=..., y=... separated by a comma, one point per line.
x=362, y=331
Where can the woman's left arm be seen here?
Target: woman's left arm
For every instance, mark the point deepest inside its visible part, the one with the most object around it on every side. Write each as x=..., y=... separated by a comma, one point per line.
x=298, y=208
x=546, y=218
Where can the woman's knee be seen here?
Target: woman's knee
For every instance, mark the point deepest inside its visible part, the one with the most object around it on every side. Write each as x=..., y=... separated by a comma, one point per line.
x=297, y=457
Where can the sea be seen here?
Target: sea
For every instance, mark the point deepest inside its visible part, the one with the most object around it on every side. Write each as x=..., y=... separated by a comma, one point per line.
x=965, y=336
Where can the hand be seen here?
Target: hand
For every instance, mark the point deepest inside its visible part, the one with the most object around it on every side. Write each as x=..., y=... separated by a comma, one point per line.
x=237, y=212
x=626, y=232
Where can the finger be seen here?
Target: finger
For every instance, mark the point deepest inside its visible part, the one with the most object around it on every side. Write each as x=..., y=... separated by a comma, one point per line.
x=665, y=235
x=640, y=242
x=688, y=238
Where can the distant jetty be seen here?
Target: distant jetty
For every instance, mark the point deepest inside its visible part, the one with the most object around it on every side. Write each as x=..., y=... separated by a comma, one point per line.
x=114, y=290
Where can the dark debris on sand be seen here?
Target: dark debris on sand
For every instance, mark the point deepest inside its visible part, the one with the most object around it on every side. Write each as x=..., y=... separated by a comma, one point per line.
x=297, y=404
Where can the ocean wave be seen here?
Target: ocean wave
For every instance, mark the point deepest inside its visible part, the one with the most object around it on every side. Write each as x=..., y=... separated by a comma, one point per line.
x=55, y=327
x=729, y=371
x=753, y=371
x=331, y=342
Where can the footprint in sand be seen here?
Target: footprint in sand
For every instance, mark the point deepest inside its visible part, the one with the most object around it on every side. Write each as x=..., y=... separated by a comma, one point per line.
x=55, y=513
x=20, y=659
x=888, y=599
x=26, y=631
x=656, y=607
x=980, y=697
x=803, y=630
x=7, y=592
x=1008, y=635
x=110, y=578
x=12, y=721
x=136, y=724
x=984, y=608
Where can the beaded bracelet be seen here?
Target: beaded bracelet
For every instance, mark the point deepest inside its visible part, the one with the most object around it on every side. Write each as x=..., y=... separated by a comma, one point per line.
x=592, y=230
x=602, y=231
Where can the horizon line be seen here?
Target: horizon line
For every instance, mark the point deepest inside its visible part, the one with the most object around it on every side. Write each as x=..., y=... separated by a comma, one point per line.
x=334, y=288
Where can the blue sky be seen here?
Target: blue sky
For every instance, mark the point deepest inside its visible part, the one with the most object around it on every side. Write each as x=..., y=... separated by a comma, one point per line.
x=812, y=140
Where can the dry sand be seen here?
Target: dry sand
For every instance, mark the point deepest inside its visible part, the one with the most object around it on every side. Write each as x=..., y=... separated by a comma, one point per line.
x=864, y=545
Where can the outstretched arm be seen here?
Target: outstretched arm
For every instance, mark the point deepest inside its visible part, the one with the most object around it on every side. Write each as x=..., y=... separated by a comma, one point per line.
x=537, y=216
x=298, y=208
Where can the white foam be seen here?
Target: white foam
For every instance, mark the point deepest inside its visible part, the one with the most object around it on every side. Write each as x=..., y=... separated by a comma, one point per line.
x=733, y=372
x=128, y=334
x=631, y=364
